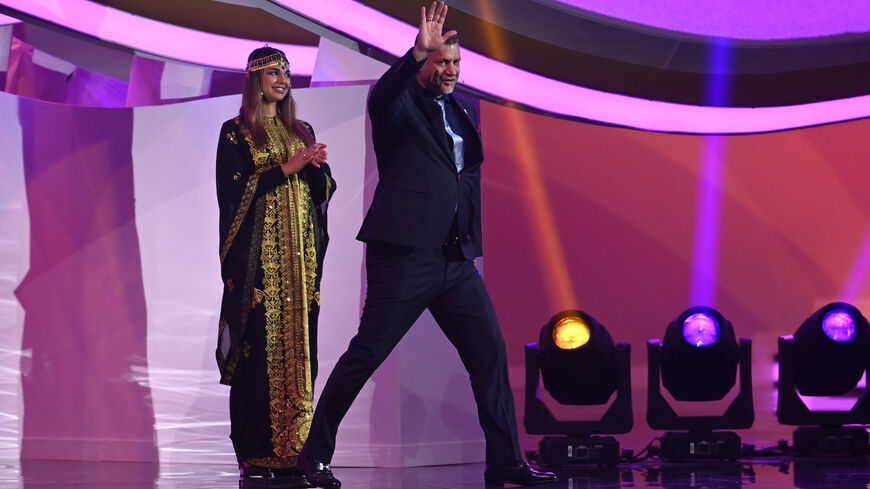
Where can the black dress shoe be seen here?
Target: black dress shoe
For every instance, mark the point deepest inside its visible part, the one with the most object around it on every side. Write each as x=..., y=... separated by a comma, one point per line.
x=317, y=473
x=517, y=473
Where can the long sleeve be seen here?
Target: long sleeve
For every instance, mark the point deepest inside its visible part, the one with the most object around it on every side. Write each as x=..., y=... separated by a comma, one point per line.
x=233, y=176
x=320, y=181
x=384, y=100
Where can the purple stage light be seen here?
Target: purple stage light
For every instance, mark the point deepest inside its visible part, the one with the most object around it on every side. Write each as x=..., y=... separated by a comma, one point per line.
x=852, y=286
x=839, y=325
x=150, y=36
x=705, y=267
x=510, y=83
x=488, y=75
x=739, y=19
x=700, y=330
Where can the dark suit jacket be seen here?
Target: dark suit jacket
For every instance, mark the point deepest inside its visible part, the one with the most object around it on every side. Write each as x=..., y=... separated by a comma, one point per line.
x=419, y=190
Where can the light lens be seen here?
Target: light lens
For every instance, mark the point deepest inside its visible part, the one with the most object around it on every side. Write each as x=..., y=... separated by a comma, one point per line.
x=700, y=330
x=839, y=325
x=570, y=333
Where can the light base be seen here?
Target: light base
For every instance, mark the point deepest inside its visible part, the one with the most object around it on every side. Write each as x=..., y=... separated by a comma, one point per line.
x=849, y=441
x=567, y=451
x=679, y=446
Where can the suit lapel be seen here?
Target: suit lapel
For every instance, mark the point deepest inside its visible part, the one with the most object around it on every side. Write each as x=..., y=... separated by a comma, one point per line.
x=472, y=135
x=432, y=113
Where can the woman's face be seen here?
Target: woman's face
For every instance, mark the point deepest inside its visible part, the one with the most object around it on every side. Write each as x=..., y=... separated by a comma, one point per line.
x=276, y=84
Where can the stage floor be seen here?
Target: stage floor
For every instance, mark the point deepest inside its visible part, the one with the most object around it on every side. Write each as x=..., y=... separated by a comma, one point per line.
x=766, y=474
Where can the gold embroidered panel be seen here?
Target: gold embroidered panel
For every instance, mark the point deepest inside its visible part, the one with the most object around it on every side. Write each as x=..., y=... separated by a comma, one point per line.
x=289, y=263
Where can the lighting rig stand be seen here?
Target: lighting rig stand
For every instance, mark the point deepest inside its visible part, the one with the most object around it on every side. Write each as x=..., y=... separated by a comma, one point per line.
x=828, y=436
x=581, y=446
x=700, y=442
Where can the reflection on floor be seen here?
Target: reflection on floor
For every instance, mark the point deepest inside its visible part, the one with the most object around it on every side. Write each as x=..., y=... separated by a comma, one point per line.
x=758, y=474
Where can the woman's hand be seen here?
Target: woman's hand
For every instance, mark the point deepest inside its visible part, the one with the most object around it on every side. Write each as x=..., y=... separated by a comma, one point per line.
x=314, y=154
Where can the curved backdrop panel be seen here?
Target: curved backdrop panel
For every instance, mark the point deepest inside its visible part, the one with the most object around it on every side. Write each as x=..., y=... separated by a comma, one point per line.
x=110, y=291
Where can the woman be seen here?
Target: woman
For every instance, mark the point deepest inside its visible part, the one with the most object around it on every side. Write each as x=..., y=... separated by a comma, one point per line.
x=273, y=187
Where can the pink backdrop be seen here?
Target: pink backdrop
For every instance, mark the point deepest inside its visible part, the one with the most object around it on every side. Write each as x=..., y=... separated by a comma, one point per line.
x=84, y=306
x=604, y=220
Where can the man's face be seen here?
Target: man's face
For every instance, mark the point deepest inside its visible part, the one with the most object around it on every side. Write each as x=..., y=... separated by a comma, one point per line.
x=440, y=71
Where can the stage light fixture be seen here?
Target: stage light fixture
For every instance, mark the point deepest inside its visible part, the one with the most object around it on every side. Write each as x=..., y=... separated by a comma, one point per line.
x=826, y=356
x=580, y=366
x=697, y=361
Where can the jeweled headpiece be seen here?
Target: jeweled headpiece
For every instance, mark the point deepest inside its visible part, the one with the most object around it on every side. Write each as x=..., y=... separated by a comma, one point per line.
x=266, y=57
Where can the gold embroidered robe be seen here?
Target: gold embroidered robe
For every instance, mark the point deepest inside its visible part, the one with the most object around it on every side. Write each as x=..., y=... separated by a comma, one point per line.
x=273, y=239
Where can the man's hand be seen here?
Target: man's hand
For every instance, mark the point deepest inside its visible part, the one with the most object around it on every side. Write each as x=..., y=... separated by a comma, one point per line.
x=431, y=23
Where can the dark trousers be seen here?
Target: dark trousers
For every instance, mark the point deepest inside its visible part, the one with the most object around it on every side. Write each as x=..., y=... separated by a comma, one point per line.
x=402, y=283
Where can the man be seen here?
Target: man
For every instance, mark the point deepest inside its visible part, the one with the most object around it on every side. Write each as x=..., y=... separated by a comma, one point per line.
x=422, y=233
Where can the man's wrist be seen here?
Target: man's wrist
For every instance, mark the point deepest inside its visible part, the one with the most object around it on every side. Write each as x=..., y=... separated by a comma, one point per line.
x=419, y=53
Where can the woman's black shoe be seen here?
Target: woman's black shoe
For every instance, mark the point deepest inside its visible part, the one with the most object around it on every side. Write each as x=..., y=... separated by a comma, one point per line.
x=249, y=471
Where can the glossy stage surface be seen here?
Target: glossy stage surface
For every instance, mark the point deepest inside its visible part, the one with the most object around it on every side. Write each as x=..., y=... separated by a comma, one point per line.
x=757, y=474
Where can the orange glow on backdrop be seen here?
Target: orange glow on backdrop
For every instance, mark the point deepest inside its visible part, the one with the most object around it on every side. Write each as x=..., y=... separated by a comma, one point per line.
x=549, y=251
x=794, y=217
